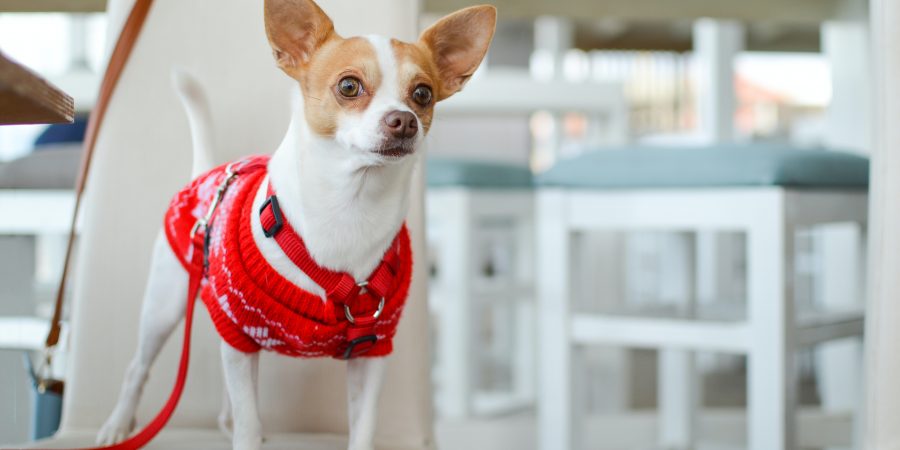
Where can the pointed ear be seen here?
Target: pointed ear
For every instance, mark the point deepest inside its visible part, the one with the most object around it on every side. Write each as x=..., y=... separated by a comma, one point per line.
x=296, y=28
x=458, y=43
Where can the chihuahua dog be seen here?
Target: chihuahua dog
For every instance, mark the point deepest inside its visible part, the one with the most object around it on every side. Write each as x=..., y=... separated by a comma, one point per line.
x=342, y=174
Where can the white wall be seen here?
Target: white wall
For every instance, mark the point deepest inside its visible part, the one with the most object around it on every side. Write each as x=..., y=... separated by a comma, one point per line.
x=505, y=139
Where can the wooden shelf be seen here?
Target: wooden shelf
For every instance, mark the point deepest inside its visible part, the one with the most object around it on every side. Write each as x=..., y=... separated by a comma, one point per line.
x=26, y=98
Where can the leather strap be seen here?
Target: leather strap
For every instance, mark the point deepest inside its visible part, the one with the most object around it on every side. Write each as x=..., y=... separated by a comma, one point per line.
x=117, y=60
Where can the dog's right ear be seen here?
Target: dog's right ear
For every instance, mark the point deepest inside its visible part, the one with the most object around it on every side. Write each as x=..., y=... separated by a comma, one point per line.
x=458, y=43
x=296, y=28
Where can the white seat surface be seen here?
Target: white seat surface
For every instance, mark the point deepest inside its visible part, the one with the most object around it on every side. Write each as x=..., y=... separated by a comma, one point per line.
x=206, y=439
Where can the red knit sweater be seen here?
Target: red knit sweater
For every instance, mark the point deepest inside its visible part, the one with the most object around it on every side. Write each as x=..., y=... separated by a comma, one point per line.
x=252, y=305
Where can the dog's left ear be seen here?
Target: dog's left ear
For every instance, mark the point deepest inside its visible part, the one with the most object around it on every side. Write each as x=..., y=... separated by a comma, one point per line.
x=458, y=43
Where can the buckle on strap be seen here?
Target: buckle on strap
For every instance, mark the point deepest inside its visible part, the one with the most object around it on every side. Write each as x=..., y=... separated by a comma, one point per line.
x=206, y=242
x=271, y=204
x=367, y=341
x=361, y=338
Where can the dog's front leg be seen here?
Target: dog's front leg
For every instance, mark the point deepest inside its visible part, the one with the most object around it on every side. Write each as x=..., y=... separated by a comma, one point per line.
x=163, y=308
x=240, y=378
x=364, y=377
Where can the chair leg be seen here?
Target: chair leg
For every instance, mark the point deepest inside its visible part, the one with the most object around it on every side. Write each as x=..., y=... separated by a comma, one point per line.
x=456, y=326
x=555, y=411
x=524, y=348
x=525, y=360
x=838, y=366
x=771, y=377
x=679, y=385
x=678, y=394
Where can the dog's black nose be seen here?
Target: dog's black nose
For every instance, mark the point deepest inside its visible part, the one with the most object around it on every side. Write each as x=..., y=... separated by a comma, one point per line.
x=401, y=124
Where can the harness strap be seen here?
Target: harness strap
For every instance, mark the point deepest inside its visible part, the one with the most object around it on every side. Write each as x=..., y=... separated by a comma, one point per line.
x=340, y=287
x=131, y=30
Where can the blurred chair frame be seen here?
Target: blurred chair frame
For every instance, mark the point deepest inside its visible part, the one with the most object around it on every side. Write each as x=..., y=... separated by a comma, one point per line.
x=460, y=220
x=769, y=216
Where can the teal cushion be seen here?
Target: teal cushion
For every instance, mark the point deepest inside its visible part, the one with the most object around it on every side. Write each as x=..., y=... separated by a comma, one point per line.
x=477, y=174
x=710, y=166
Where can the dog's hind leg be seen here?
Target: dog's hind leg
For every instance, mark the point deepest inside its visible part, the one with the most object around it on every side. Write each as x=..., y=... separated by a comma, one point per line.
x=163, y=308
x=241, y=374
x=364, y=376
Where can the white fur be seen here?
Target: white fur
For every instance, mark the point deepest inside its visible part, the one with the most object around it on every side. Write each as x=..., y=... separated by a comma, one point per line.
x=347, y=203
x=364, y=131
x=199, y=117
x=162, y=309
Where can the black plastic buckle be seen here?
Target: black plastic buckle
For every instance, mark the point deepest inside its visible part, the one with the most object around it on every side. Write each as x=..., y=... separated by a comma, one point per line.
x=206, y=240
x=348, y=354
x=276, y=212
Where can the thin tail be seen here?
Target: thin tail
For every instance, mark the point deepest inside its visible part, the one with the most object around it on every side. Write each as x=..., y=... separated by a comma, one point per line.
x=196, y=106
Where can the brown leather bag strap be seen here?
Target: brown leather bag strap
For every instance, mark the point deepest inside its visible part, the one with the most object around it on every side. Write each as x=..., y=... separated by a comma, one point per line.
x=127, y=38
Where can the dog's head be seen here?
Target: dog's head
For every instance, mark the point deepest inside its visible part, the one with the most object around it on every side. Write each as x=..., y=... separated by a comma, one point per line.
x=375, y=96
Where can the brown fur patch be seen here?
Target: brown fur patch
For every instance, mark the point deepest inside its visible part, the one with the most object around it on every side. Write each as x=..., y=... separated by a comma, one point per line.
x=415, y=68
x=336, y=59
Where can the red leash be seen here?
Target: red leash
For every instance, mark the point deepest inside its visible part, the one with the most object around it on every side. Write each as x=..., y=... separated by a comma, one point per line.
x=156, y=425
x=196, y=272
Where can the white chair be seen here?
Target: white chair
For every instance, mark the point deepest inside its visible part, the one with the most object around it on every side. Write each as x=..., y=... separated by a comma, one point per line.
x=768, y=193
x=480, y=234
x=142, y=158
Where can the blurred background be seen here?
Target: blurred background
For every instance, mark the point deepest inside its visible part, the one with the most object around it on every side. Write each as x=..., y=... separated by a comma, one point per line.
x=623, y=84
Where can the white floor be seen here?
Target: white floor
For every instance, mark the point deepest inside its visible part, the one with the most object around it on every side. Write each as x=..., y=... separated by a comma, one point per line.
x=719, y=429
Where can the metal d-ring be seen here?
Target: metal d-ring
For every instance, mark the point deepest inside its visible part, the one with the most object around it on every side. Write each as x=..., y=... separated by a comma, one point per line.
x=349, y=315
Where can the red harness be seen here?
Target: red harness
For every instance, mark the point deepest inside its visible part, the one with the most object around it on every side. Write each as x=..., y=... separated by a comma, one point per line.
x=251, y=304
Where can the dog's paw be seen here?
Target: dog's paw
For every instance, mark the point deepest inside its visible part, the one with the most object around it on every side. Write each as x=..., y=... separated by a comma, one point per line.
x=254, y=443
x=226, y=426
x=115, y=430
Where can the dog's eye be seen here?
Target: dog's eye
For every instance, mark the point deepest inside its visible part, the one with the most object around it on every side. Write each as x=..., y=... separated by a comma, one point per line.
x=422, y=95
x=349, y=87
